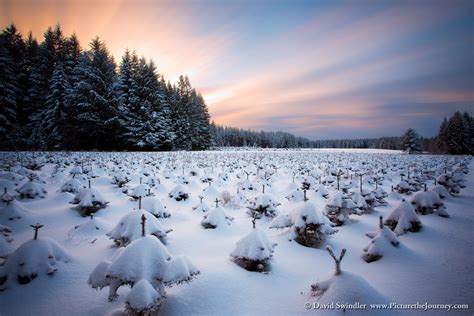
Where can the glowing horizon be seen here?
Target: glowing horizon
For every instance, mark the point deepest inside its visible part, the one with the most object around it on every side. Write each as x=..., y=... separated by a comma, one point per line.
x=316, y=69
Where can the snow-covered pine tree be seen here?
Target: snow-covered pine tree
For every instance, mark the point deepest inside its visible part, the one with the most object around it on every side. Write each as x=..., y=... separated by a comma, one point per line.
x=50, y=54
x=469, y=132
x=162, y=116
x=200, y=123
x=128, y=101
x=443, y=138
x=455, y=134
x=12, y=49
x=151, y=125
x=411, y=143
x=91, y=100
x=180, y=114
x=7, y=96
x=30, y=59
x=55, y=117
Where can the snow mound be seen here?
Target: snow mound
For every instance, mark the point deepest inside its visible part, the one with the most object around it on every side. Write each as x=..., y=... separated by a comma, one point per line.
x=179, y=193
x=13, y=210
x=89, y=229
x=254, y=247
x=34, y=257
x=72, y=186
x=31, y=190
x=263, y=205
x=425, y=201
x=382, y=241
x=403, y=218
x=347, y=288
x=89, y=201
x=154, y=206
x=129, y=227
x=215, y=218
x=143, y=298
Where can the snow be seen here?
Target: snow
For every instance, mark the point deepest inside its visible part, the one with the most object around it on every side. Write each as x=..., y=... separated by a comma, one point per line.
x=216, y=217
x=142, y=296
x=255, y=246
x=403, y=218
x=433, y=265
x=34, y=257
x=129, y=227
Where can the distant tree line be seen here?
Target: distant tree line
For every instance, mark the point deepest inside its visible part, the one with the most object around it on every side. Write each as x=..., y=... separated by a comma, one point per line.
x=224, y=136
x=56, y=96
x=455, y=136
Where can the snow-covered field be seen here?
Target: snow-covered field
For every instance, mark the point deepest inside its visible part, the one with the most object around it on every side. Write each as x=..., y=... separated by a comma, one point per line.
x=433, y=265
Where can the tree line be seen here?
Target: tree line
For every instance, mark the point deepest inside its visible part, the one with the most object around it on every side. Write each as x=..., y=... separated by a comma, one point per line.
x=56, y=96
x=455, y=137
x=224, y=136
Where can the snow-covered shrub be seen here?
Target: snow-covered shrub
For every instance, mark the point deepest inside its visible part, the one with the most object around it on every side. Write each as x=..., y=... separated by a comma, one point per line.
x=143, y=299
x=381, y=241
x=11, y=209
x=72, y=186
x=308, y=226
x=215, y=218
x=120, y=179
x=140, y=191
x=31, y=190
x=361, y=205
x=296, y=196
x=426, y=201
x=322, y=191
x=89, y=201
x=128, y=228
x=76, y=171
x=89, y=230
x=143, y=263
x=179, y=193
x=253, y=251
x=339, y=208
x=380, y=196
x=441, y=190
x=263, y=205
x=403, y=218
x=246, y=185
x=448, y=182
x=33, y=257
x=154, y=206
x=344, y=287
x=404, y=187
x=202, y=206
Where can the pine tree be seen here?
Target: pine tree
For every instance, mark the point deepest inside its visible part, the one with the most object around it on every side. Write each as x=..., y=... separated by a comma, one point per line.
x=50, y=54
x=55, y=118
x=411, y=143
x=128, y=101
x=455, y=127
x=155, y=116
x=91, y=100
x=200, y=125
x=7, y=96
x=468, y=133
x=180, y=114
x=443, y=137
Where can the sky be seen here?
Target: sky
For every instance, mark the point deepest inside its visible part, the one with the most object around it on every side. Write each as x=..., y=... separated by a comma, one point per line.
x=318, y=69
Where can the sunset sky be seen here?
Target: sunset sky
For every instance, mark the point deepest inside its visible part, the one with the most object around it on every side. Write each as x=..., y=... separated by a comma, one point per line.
x=319, y=69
